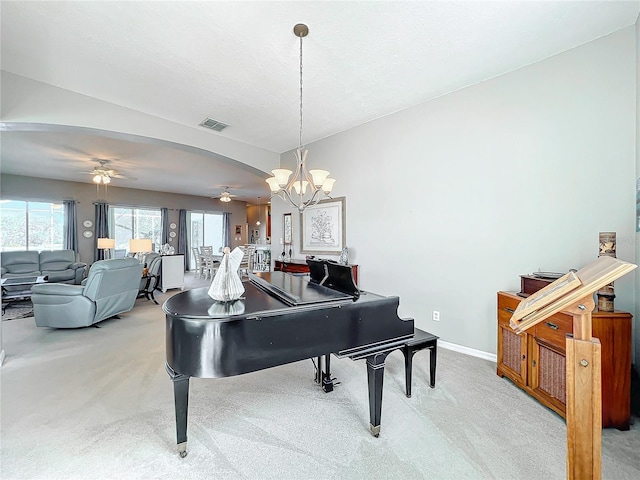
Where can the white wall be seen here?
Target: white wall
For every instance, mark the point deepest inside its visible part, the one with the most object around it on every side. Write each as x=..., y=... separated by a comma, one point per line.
x=450, y=201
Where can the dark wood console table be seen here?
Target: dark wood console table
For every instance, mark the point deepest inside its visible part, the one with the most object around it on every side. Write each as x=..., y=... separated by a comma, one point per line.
x=299, y=266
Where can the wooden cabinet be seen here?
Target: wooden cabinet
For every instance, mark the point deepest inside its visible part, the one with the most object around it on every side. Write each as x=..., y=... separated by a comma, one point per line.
x=172, y=272
x=535, y=360
x=302, y=267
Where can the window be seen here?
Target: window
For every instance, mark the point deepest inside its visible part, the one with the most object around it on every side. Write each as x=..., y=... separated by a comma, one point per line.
x=126, y=223
x=31, y=226
x=204, y=229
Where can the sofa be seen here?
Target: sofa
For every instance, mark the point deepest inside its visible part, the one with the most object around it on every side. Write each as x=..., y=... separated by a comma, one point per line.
x=61, y=266
x=111, y=288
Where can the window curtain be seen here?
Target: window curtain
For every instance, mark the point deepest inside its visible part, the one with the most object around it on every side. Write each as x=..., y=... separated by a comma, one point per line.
x=182, y=237
x=164, y=214
x=102, y=228
x=70, y=225
x=226, y=229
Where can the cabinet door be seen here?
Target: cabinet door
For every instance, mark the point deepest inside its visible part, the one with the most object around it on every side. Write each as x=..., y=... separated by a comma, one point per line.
x=512, y=354
x=512, y=348
x=548, y=374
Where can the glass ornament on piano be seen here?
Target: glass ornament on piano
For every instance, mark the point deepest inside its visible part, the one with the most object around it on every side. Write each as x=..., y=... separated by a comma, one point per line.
x=227, y=285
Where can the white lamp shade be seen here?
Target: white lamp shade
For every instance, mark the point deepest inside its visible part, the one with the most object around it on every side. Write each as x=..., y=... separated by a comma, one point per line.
x=273, y=184
x=138, y=245
x=282, y=175
x=304, y=183
x=318, y=176
x=327, y=185
x=106, y=243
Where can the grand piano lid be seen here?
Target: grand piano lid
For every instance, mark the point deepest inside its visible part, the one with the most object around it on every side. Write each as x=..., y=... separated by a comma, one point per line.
x=256, y=303
x=296, y=290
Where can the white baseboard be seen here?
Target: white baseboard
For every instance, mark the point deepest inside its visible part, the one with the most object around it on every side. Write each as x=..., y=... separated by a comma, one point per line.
x=2, y=354
x=468, y=351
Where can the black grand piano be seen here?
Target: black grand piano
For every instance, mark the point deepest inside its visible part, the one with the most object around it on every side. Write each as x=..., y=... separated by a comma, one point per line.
x=281, y=319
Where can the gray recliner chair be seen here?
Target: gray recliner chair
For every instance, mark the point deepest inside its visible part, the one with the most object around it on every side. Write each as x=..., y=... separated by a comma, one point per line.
x=110, y=288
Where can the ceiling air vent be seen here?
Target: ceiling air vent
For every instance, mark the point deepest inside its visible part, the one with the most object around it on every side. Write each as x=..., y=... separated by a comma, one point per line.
x=213, y=124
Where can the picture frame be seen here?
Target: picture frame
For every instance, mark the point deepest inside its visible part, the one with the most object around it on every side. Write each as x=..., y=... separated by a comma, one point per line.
x=287, y=226
x=323, y=227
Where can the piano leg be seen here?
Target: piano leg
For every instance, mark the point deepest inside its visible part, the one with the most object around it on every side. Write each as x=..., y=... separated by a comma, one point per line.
x=319, y=371
x=375, y=376
x=323, y=374
x=181, y=399
x=327, y=383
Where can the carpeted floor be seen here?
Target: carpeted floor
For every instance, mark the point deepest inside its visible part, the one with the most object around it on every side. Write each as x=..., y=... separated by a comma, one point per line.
x=96, y=403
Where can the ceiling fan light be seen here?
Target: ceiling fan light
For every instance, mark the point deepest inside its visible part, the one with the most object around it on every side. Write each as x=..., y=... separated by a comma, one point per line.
x=224, y=197
x=97, y=179
x=106, y=179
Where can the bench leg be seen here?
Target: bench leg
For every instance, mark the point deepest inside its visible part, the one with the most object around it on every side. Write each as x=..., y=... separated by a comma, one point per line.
x=408, y=365
x=432, y=366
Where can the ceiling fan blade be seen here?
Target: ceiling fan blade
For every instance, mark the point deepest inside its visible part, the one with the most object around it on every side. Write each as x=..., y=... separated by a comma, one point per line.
x=123, y=177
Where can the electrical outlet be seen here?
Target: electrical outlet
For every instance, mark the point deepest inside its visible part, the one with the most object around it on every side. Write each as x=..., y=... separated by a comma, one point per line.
x=436, y=316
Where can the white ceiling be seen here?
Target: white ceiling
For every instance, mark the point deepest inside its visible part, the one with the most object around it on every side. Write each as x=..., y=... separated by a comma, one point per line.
x=237, y=62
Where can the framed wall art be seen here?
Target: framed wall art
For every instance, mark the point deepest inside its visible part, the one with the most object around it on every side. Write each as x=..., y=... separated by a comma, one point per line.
x=287, y=229
x=323, y=227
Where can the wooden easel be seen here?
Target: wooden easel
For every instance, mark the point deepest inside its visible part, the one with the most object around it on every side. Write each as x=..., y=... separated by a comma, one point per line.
x=573, y=294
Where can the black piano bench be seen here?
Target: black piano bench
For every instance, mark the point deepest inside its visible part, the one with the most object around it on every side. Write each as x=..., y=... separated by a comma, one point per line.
x=420, y=341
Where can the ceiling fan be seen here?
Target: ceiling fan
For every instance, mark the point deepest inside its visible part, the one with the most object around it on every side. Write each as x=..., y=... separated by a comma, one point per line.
x=102, y=174
x=225, y=196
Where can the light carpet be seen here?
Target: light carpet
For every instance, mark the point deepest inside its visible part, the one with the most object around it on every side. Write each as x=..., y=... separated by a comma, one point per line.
x=96, y=403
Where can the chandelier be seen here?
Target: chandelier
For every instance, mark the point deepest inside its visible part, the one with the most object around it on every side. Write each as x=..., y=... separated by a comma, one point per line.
x=306, y=187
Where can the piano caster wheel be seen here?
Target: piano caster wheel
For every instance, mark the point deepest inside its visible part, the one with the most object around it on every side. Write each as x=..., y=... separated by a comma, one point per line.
x=375, y=431
x=183, y=454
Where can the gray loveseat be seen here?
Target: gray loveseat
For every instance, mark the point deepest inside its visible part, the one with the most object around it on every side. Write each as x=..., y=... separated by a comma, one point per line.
x=111, y=288
x=59, y=265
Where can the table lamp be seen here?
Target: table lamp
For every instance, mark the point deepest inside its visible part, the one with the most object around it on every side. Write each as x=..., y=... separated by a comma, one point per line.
x=140, y=245
x=106, y=244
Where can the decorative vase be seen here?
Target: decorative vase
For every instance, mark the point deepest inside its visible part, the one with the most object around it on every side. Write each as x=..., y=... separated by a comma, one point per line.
x=607, y=247
x=227, y=285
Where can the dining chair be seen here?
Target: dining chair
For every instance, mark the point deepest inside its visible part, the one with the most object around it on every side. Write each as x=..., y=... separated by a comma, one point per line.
x=210, y=265
x=198, y=262
x=247, y=260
